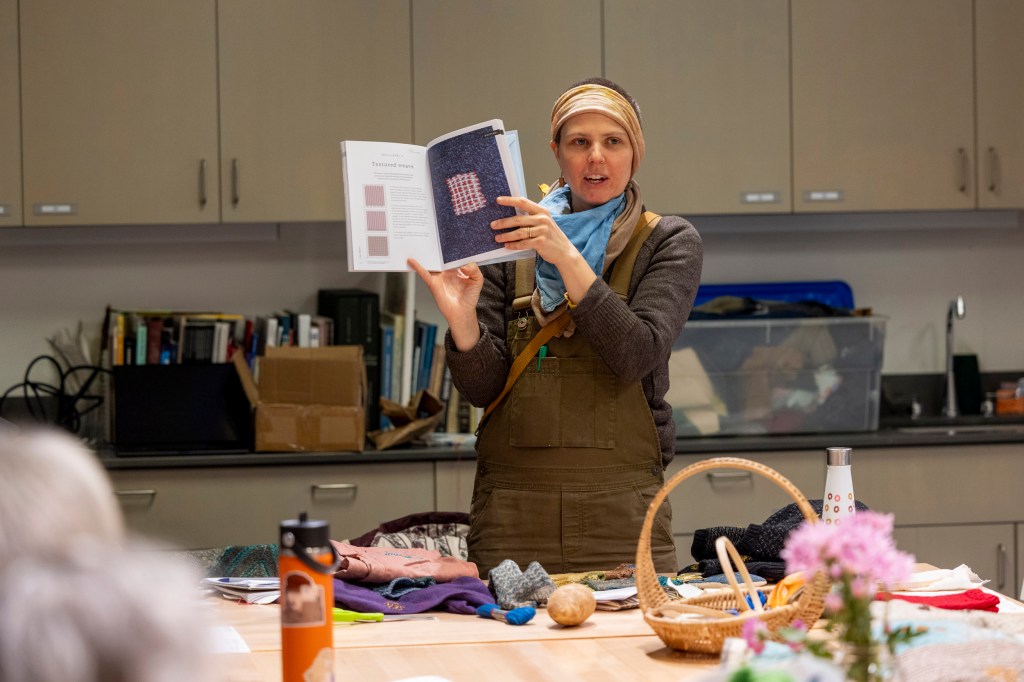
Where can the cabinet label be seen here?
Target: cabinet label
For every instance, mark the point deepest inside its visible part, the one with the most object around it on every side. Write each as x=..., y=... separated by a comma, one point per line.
x=823, y=195
x=55, y=209
x=760, y=197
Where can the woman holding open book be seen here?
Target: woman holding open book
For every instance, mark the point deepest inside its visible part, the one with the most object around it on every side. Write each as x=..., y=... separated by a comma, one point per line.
x=570, y=352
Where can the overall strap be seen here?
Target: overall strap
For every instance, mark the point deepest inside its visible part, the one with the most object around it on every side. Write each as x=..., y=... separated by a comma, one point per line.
x=622, y=268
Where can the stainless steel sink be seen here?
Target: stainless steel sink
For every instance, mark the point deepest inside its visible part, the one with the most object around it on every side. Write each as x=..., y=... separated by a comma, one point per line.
x=953, y=429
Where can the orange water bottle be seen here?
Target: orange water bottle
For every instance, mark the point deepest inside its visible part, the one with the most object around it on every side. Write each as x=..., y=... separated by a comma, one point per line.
x=306, y=564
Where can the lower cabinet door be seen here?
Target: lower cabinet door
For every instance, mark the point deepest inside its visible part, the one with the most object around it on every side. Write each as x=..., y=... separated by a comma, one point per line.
x=989, y=549
x=216, y=507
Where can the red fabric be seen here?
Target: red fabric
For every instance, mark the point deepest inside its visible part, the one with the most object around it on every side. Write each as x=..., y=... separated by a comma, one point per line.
x=975, y=599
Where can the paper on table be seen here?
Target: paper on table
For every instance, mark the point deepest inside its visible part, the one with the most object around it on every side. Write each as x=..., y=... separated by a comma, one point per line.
x=226, y=640
x=268, y=597
x=243, y=583
x=941, y=580
x=616, y=594
x=249, y=590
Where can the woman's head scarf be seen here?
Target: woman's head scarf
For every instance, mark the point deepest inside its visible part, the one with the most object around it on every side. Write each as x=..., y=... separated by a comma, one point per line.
x=595, y=98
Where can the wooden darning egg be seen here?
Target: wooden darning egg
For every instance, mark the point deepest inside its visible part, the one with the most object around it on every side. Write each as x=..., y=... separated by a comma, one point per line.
x=571, y=604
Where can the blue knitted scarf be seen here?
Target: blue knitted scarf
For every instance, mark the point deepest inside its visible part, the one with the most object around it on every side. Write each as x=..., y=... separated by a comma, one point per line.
x=587, y=230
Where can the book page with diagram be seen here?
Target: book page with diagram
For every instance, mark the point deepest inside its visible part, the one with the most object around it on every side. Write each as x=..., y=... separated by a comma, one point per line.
x=434, y=204
x=389, y=215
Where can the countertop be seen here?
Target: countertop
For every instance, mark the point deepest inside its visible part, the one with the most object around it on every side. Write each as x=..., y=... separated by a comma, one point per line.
x=922, y=434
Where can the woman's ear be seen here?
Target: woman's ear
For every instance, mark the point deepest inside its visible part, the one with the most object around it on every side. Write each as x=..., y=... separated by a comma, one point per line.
x=558, y=156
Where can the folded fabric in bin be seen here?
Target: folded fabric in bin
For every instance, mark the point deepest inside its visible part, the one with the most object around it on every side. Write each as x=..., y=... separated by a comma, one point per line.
x=691, y=395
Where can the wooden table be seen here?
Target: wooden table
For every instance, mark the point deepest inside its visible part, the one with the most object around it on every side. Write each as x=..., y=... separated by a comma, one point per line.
x=610, y=645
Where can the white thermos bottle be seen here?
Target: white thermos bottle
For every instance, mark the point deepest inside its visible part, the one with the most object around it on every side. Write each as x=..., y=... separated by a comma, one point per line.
x=838, y=501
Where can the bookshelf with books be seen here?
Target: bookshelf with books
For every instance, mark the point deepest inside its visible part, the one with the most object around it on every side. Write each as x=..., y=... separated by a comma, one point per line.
x=169, y=337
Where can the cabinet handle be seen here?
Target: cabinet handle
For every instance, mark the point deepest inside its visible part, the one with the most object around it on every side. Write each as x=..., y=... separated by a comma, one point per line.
x=729, y=475
x=333, y=486
x=234, y=182
x=962, y=182
x=145, y=492
x=202, y=183
x=1000, y=566
x=993, y=170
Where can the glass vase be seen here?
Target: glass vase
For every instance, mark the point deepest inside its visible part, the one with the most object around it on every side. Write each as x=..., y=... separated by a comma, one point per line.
x=866, y=662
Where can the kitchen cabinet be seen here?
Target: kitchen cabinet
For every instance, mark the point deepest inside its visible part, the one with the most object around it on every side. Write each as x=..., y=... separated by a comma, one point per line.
x=951, y=504
x=10, y=117
x=712, y=79
x=453, y=484
x=942, y=485
x=734, y=497
x=195, y=508
x=295, y=80
x=883, y=105
x=999, y=55
x=475, y=60
x=987, y=549
x=1020, y=563
x=119, y=112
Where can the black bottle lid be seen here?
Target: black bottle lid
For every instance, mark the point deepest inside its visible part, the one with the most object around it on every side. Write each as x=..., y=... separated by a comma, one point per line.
x=303, y=533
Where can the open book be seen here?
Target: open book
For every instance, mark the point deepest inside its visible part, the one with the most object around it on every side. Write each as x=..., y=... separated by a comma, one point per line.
x=433, y=203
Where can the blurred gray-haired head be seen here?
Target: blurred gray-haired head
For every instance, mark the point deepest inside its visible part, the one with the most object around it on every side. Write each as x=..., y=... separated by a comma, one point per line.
x=52, y=490
x=102, y=613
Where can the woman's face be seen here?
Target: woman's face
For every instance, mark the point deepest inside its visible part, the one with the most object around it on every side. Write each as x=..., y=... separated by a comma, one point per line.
x=595, y=157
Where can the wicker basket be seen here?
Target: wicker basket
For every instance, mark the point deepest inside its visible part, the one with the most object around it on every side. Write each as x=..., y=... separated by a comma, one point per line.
x=706, y=635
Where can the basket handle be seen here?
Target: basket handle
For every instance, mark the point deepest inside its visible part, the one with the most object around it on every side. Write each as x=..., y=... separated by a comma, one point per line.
x=646, y=578
x=725, y=549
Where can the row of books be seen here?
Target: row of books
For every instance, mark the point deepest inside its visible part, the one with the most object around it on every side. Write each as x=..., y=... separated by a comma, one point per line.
x=173, y=337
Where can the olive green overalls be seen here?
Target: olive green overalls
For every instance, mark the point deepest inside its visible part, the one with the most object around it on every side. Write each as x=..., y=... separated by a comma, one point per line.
x=568, y=462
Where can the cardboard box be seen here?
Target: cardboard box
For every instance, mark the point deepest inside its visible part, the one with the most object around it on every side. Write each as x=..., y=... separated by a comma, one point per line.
x=308, y=399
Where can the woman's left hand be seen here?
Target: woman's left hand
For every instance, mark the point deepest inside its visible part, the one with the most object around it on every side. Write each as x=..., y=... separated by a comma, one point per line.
x=533, y=229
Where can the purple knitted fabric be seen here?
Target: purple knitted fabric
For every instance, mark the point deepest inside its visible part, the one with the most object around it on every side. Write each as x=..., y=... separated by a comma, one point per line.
x=462, y=595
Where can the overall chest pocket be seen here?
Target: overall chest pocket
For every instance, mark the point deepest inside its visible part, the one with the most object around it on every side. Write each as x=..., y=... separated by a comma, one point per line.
x=569, y=402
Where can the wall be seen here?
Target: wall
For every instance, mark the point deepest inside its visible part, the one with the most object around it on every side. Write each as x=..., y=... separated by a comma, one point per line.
x=52, y=279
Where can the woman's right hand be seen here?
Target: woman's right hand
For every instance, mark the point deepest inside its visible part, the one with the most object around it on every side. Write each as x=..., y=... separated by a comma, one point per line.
x=456, y=293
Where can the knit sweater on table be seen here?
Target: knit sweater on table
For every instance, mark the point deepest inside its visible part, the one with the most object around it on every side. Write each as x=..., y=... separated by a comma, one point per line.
x=634, y=339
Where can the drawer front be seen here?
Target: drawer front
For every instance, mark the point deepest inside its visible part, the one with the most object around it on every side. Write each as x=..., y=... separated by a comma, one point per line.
x=216, y=507
x=732, y=497
x=988, y=549
x=948, y=484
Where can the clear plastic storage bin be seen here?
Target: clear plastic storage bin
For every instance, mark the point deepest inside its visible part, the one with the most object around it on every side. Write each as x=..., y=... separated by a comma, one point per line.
x=788, y=375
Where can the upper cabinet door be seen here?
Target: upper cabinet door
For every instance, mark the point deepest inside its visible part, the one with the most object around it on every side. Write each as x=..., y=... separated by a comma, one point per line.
x=712, y=81
x=474, y=60
x=119, y=112
x=10, y=117
x=297, y=78
x=883, y=105
x=999, y=25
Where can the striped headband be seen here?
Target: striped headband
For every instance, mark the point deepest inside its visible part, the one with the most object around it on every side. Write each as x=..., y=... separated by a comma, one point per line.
x=602, y=100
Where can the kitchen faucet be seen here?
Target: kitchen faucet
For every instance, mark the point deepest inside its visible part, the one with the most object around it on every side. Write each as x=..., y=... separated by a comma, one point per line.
x=957, y=310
